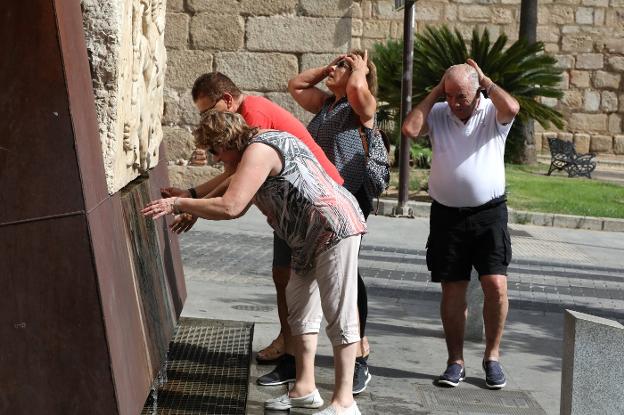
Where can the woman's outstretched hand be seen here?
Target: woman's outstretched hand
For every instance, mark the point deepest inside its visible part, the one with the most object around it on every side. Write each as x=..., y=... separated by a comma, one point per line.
x=159, y=208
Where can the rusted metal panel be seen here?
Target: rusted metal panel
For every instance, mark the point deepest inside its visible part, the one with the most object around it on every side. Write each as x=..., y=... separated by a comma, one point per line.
x=54, y=357
x=40, y=176
x=121, y=304
x=81, y=101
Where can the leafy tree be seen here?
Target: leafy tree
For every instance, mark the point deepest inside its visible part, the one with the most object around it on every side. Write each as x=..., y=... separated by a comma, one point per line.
x=522, y=69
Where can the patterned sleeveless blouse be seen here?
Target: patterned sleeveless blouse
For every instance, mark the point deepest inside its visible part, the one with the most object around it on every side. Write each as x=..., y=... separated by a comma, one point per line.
x=304, y=206
x=336, y=131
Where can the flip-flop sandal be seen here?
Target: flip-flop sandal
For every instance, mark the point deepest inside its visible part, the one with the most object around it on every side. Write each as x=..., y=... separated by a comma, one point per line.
x=272, y=352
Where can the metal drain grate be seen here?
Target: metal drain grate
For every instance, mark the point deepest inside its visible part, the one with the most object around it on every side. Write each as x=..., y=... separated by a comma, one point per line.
x=466, y=401
x=207, y=371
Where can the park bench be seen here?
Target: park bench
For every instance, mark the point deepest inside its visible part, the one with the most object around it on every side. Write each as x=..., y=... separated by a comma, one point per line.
x=564, y=157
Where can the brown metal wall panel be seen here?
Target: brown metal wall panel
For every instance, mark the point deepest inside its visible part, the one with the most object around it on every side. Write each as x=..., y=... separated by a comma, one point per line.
x=81, y=101
x=54, y=358
x=39, y=174
x=120, y=305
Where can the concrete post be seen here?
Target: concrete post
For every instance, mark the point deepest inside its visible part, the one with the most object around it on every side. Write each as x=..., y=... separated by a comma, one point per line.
x=474, y=321
x=592, y=373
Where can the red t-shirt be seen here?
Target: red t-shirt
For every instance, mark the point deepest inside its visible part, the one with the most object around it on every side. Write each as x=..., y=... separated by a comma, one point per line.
x=263, y=113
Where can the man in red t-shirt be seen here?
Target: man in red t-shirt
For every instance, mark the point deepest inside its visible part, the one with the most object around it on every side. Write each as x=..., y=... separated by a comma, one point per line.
x=215, y=91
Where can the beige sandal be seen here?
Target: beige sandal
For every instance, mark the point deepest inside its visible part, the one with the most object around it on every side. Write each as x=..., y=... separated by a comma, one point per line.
x=273, y=351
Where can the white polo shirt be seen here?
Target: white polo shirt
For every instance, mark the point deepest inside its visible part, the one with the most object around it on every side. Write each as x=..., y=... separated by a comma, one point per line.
x=468, y=162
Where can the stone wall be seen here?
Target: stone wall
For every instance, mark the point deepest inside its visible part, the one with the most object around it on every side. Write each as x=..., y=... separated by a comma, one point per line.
x=125, y=40
x=261, y=44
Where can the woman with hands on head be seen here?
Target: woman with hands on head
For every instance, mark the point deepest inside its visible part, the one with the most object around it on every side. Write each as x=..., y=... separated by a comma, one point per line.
x=319, y=220
x=343, y=116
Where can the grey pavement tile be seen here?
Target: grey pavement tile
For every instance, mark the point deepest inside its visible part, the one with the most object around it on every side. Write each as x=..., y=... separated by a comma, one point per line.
x=229, y=276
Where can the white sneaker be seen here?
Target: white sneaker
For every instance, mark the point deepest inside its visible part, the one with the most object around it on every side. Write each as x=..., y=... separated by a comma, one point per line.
x=331, y=410
x=285, y=402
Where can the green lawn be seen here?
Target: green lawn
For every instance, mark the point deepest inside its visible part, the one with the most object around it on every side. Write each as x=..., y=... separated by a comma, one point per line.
x=529, y=189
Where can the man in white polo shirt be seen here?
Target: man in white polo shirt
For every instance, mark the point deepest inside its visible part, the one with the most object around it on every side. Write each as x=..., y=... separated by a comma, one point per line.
x=468, y=225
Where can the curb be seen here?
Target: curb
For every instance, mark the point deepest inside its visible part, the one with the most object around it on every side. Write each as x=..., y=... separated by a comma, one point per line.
x=388, y=207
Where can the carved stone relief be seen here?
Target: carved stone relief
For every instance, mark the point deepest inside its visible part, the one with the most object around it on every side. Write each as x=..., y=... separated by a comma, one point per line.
x=125, y=40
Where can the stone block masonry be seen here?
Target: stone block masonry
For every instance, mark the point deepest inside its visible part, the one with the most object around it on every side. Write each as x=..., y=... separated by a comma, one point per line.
x=258, y=71
x=298, y=34
x=262, y=44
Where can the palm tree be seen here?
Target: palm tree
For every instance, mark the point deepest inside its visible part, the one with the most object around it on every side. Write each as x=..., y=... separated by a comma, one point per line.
x=522, y=69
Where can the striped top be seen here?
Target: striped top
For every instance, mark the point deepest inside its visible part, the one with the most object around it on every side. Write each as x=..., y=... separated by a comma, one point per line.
x=304, y=206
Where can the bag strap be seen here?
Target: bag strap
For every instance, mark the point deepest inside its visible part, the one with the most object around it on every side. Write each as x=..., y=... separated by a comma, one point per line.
x=365, y=146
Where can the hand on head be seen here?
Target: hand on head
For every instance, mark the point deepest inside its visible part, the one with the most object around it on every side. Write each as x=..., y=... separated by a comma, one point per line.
x=358, y=62
x=476, y=67
x=439, y=88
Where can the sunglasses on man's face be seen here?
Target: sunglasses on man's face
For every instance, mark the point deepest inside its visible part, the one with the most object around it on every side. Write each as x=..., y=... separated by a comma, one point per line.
x=343, y=64
x=213, y=105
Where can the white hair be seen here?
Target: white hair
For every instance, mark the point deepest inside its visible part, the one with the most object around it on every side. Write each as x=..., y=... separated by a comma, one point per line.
x=462, y=73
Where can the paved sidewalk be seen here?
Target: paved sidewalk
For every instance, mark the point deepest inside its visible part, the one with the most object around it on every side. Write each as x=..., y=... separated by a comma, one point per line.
x=227, y=267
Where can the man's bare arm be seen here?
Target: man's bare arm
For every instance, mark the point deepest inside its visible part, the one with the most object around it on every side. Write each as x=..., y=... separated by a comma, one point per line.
x=415, y=123
x=507, y=107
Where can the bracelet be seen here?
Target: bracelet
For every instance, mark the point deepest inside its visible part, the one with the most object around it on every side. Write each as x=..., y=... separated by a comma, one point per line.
x=490, y=88
x=176, y=210
x=193, y=192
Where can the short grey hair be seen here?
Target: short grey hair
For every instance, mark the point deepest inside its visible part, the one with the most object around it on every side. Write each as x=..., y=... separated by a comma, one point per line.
x=464, y=72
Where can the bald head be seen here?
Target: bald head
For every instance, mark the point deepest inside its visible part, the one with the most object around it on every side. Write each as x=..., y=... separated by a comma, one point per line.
x=461, y=87
x=463, y=75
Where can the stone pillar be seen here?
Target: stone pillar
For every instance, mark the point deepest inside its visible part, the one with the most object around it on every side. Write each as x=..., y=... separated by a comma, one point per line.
x=474, y=321
x=592, y=373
